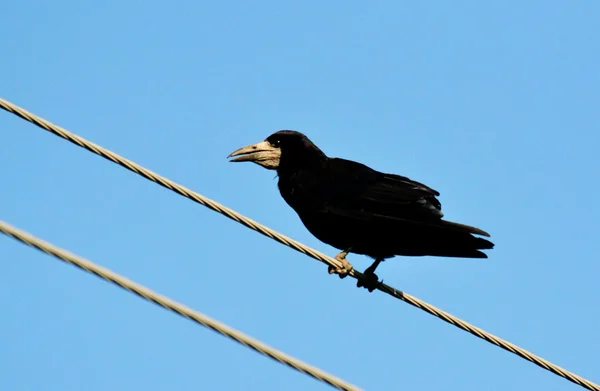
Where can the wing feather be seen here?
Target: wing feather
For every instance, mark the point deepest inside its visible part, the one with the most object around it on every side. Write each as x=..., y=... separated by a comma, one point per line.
x=360, y=188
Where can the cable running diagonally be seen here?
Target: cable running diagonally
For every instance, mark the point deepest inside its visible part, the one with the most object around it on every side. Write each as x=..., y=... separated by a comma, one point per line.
x=105, y=153
x=174, y=306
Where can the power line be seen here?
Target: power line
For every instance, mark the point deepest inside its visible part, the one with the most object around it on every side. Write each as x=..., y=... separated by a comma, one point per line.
x=105, y=153
x=174, y=306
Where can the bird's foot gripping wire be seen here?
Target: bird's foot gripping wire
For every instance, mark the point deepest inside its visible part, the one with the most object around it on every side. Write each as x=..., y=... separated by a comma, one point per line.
x=371, y=281
x=346, y=268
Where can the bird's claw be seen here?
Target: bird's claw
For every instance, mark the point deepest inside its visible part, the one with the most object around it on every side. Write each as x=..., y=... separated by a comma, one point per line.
x=371, y=282
x=345, y=269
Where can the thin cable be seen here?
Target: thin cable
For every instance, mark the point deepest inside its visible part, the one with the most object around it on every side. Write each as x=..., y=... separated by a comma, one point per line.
x=105, y=153
x=174, y=306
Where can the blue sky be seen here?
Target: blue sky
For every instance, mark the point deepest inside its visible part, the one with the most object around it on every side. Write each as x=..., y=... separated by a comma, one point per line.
x=495, y=105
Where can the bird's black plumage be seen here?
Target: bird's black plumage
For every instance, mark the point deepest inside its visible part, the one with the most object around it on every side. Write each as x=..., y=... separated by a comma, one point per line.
x=357, y=209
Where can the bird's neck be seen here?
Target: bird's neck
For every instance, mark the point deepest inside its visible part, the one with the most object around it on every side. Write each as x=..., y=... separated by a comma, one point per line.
x=308, y=161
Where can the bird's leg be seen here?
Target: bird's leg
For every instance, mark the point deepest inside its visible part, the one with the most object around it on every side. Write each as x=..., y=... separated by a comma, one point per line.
x=346, y=266
x=372, y=281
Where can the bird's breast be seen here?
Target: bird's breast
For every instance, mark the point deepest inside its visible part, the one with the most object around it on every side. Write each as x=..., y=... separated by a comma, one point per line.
x=303, y=190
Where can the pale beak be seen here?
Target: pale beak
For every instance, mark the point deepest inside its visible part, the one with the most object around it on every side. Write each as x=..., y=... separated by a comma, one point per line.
x=263, y=154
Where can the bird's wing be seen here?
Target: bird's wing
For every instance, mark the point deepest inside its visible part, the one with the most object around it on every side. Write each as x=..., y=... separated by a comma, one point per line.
x=359, y=189
x=394, y=189
x=359, y=194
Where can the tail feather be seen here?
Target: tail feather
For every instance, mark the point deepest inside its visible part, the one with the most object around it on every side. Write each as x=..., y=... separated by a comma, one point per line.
x=457, y=240
x=459, y=246
x=440, y=238
x=463, y=228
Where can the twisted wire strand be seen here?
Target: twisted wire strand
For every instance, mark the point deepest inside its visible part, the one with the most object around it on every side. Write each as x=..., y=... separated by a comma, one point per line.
x=174, y=306
x=445, y=316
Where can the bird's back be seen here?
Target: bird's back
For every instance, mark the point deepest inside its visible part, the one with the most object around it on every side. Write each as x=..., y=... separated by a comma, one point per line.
x=347, y=185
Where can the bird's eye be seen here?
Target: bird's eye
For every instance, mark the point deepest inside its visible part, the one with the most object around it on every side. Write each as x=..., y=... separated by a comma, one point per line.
x=275, y=143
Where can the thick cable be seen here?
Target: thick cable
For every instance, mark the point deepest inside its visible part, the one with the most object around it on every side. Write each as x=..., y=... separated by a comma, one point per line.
x=217, y=207
x=175, y=307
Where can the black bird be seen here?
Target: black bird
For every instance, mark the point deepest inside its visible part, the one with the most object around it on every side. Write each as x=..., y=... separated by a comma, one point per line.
x=359, y=210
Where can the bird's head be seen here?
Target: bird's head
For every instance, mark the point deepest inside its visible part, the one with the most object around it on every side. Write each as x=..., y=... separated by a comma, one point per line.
x=286, y=149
